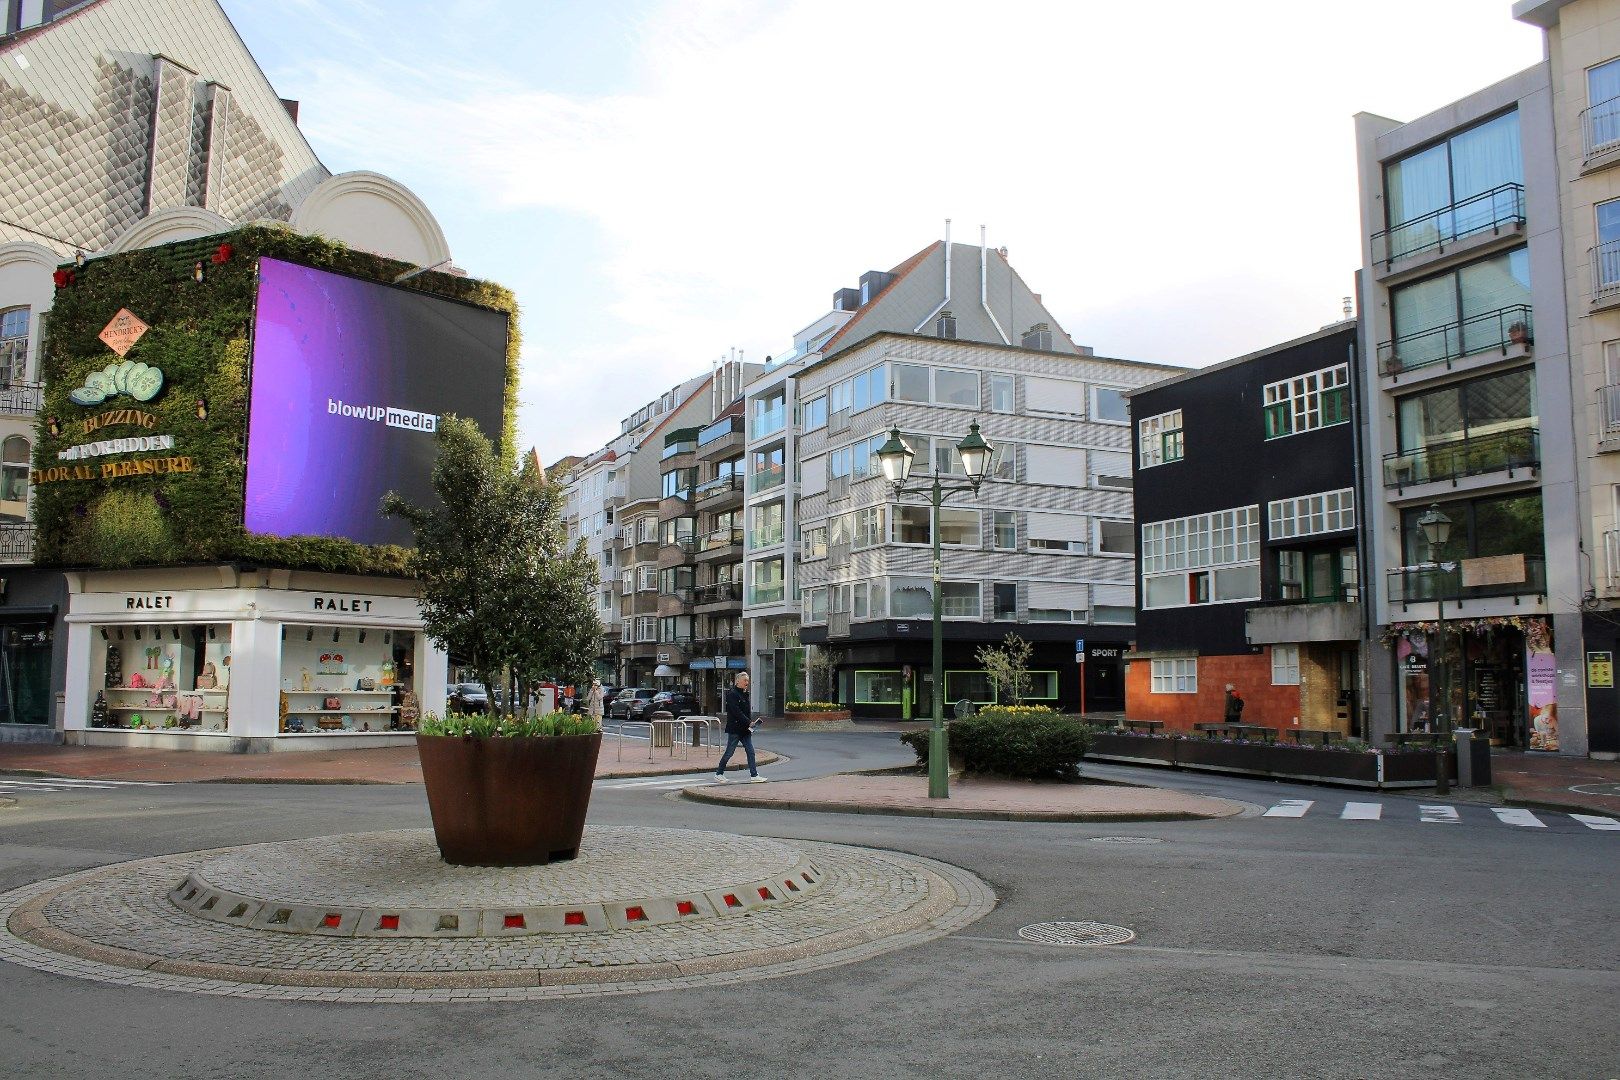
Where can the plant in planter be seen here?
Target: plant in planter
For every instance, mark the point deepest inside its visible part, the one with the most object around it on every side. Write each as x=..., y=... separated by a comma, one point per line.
x=502, y=590
x=1028, y=742
x=812, y=711
x=1519, y=334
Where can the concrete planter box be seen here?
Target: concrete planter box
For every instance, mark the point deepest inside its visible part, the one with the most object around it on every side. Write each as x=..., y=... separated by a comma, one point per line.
x=1367, y=769
x=1145, y=749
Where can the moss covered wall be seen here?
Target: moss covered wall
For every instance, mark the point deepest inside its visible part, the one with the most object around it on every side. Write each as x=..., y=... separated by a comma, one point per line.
x=199, y=338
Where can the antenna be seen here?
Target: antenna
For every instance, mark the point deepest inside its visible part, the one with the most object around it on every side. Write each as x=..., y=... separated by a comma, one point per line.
x=1349, y=307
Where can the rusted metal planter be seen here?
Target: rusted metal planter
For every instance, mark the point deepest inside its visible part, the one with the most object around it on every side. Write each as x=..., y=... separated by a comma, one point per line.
x=508, y=802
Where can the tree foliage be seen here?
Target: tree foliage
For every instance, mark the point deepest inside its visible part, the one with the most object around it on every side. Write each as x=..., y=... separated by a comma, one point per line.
x=1008, y=668
x=501, y=589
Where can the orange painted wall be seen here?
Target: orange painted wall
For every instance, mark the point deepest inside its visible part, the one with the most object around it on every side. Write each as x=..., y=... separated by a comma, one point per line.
x=1274, y=706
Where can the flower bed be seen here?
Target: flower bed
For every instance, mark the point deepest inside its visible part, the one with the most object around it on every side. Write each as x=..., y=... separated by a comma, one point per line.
x=1353, y=765
x=811, y=712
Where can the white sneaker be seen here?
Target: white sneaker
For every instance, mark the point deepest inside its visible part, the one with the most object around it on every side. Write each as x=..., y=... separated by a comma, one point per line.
x=720, y=778
x=756, y=779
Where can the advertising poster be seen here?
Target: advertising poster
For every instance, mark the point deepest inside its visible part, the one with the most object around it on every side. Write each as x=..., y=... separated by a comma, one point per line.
x=1541, y=685
x=349, y=380
x=1413, y=658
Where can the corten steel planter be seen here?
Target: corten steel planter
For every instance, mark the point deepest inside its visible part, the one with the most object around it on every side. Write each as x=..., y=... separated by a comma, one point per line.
x=1158, y=749
x=813, y=717
x=508, y=801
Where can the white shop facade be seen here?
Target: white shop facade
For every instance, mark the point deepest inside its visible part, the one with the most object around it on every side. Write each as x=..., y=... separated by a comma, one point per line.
x=240, y=660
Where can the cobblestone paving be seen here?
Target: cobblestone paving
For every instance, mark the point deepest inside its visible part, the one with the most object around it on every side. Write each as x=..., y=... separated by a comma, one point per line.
x=116, y=924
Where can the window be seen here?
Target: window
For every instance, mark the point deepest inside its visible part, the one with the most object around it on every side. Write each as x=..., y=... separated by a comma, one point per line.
x=959, y=599
x=14, y=461
x=1603, y=106
x=14, y=344
x=1291, y=575
x=769, y=415
x=910, y=525
x=678, y=483
x=1043, y=686
x=815, y=413
x=1111, y=406
x=646, y=628
x=1177, y=676
x=839, y=463
x=1177, y=553
x=1116, y=538
x=1006, y=601
x=947, y=459
x=1308, y=515
x=1006, y=525
x=813, y=542
x=973, y=685
x=911, y=597
x=1057, y=601
x=910, y=382
x=679, y=530
x=813, y=608
x=1158, y=439
x=866, y=527
x=1003, y=456
x=1461, y=312
x=1001, y=393
x=765, y=469
x=1307, y=402
x=648, y=578
x=1060, y=465
x=1431, y=194
x=1115, y=614
x=766, y=583
x=646, y=529
x=1285, y=665
x=878, y=687
x=604, y=601
x=1110, y=470
x=956, y=387
x=858, y=606
x=674, y=579
x=1042, y=395
x=1058, y=532
x=675, y=629
x=765, y=525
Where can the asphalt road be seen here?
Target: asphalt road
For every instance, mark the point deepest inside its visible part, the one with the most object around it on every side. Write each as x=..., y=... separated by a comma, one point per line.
x=1310, y=946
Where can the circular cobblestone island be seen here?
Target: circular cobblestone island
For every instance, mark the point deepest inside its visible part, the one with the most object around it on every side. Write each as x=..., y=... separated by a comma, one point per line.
x=380, y=917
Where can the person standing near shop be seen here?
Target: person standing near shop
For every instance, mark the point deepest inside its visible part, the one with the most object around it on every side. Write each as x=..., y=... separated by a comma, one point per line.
x=740, y=725
x=593, y=701
x=1234, y=705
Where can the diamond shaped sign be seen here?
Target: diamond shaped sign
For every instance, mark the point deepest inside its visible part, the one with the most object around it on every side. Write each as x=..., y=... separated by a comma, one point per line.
x=123, y=332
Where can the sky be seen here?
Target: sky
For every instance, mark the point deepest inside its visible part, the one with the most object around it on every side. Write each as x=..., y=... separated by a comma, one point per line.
x=661, y=183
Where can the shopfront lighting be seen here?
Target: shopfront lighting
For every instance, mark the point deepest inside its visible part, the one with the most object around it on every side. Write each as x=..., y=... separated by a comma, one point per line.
x=210, y=633
x=175, y=630
x=137, y=633
x=335, y=636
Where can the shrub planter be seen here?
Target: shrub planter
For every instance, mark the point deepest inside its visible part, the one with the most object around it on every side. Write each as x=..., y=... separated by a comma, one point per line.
x=818, y=717
x=508, y=801
x=1356, y=769
x=1148, y=749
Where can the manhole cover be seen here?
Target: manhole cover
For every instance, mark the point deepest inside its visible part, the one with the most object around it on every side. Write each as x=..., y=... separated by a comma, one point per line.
x=1077, y=933
x=1127, y=840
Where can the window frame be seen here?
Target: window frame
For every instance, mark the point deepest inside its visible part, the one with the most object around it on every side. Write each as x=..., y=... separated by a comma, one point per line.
x=1285, y=665
x=1173, y=675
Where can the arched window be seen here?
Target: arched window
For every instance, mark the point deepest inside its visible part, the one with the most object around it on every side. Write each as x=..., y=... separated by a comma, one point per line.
x=14, y=458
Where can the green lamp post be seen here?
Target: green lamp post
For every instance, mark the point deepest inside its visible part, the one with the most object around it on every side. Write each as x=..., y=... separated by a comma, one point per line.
x=1437, y=530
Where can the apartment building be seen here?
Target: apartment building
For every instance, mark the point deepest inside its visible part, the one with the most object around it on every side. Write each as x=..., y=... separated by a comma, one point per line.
x=1469, y=412
x=836, y=563
x=1246, y=490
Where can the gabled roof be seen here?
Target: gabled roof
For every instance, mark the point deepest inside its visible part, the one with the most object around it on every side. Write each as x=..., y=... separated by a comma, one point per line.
x=899, y=273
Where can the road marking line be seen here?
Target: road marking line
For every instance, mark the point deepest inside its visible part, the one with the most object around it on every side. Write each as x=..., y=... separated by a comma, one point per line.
x=74, y=781
x=1598, y=821
x=683, y=781
x=1362, y=811
x=1511, y=816
x=1440, y=815
x=1290, y=808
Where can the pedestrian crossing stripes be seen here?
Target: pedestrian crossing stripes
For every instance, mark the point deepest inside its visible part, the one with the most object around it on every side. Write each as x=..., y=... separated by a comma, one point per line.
x=14, y=785
x=1437, y=814
x=655, y=783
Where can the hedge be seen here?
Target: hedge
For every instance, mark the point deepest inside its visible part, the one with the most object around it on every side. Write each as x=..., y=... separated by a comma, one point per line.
x=1029, y=743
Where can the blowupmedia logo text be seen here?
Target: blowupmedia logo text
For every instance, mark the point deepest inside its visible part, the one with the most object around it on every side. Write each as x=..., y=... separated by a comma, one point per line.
x=400, y=418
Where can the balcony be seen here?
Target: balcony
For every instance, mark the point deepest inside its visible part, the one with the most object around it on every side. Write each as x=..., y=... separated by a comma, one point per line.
x=725, y=434
x=1283, y=622
x=1600, y=135
x=674, y=650
x=770, y=536
x=718, y=646
x=721, y=544
x=681, y=443
x=1464, y=227
x=614, y=492
x=761, y=595
x=16, y=542
x=1436, y=469
x=1605, y=275
x=1469, y=579
x=768, y=421
x=718, y=596
x=21, y=399
x=1608, y=418
x=677, y=504
x=719, y=493
x=1504, y=334
x=679, y=553
x=766, y=479
x=838, y=624
x=678, y=602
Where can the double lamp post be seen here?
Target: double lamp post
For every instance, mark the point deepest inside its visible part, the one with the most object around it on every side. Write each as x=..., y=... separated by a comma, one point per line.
x=895, y=458
x=1437, y=530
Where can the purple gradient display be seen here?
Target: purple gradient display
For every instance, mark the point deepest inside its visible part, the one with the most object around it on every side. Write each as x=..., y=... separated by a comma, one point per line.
x=325, y=345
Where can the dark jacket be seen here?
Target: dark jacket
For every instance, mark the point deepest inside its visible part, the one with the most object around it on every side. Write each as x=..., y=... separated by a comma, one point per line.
x=1234, y=707
x=739, y=717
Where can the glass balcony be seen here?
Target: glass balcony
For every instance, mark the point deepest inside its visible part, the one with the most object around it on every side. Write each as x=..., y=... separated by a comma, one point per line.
x=769, y=536
x=766, y=594
x=1500, y=329
x=1519, y=448
x=1494, y=210
x=768, y=421
x=767, y=479
x=720, y=485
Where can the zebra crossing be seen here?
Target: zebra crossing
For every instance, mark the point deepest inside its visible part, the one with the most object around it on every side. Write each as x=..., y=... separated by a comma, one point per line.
x=656, y=783
x=17, y=785
x=1440, y=814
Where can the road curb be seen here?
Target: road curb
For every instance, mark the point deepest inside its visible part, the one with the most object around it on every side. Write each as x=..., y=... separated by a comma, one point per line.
x=707, y=796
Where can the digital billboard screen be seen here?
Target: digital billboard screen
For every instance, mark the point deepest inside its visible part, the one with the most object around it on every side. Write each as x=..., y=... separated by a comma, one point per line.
x=349, y=379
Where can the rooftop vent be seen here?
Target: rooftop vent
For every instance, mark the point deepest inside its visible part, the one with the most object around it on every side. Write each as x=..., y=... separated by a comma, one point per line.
x=1038, y=336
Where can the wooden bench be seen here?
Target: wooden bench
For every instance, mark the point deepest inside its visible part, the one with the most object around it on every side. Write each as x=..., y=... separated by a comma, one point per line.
x=1404, y=738
x=1142, y=725
x=1238, y=731
x=1320, y=736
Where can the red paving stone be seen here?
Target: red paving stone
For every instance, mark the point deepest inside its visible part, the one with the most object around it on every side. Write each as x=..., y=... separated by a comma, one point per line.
x=384, y=765
x=973, y=797
x=1547, y=780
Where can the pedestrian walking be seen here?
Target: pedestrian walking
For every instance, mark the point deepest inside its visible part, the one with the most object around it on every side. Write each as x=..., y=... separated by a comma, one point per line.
x=740, y=725
x=593, y=701
x=1234, y=705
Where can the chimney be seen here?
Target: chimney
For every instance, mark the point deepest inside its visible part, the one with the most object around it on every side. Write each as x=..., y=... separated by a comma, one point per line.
x=292, y=108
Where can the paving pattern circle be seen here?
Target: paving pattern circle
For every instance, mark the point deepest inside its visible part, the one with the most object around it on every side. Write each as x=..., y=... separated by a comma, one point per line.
x=376, y=917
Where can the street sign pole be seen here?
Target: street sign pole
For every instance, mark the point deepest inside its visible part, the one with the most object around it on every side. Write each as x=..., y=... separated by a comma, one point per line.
x=1080, y=658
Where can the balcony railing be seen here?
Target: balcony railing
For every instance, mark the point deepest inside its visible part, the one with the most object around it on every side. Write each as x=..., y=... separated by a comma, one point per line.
x=1519, y=448
x=1600, y=128
x=722, y=538
x=1493, y=330
x=724, y=645
x=16, y=542
x=720, y=429
x=1444, y=581
x=766, y=594
x=768, y=421
x=764, y=538
x=1609, y=412
x=719, y=485
x=1606, y=272
x=719, y=592
x=766, y=479
x=21, y=399
x=1491, y=210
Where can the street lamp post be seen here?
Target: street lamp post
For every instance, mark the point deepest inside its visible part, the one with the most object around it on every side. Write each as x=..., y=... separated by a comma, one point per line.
x=1437, y=530
x=895, y=458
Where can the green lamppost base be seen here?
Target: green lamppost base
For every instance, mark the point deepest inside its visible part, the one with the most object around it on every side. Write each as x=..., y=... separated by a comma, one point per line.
x=939, y=763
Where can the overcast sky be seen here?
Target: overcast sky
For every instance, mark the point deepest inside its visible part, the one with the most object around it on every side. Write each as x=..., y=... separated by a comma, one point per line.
x=662, y=182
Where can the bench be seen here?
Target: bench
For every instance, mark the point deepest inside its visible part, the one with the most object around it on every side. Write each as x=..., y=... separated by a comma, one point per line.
x=1405, y=738
x=1238, y=731
x=1142, y=725
x=1320, y=736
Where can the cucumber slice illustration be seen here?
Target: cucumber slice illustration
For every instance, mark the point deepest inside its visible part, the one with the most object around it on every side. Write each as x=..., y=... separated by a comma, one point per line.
x=121, y=375
x=86, y=396
x=145, y=383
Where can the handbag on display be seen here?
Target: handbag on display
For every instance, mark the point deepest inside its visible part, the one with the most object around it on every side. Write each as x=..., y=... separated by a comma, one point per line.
x=366, y=684
x=332, y=703
x=209, y=677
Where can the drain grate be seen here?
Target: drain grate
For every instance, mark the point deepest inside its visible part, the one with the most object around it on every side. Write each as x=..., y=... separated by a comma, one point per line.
x=1077, y=933
x=1126, y=840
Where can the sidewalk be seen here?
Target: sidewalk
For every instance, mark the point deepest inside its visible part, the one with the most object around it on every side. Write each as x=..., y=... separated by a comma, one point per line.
x=384, y=765
x=1547, y=780
x=975, y=797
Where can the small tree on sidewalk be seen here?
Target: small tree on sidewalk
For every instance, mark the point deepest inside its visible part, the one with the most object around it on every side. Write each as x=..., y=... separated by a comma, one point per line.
x=823, y=664
x=1008, y=667
x=500, y=586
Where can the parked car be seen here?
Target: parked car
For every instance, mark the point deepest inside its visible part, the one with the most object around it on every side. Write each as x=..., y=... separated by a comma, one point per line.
x=630, y=702
x=467, y=697
x=677, y=703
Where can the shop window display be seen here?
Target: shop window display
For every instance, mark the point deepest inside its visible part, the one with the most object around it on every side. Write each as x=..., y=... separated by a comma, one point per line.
x=172, y=678
x=344, y=680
